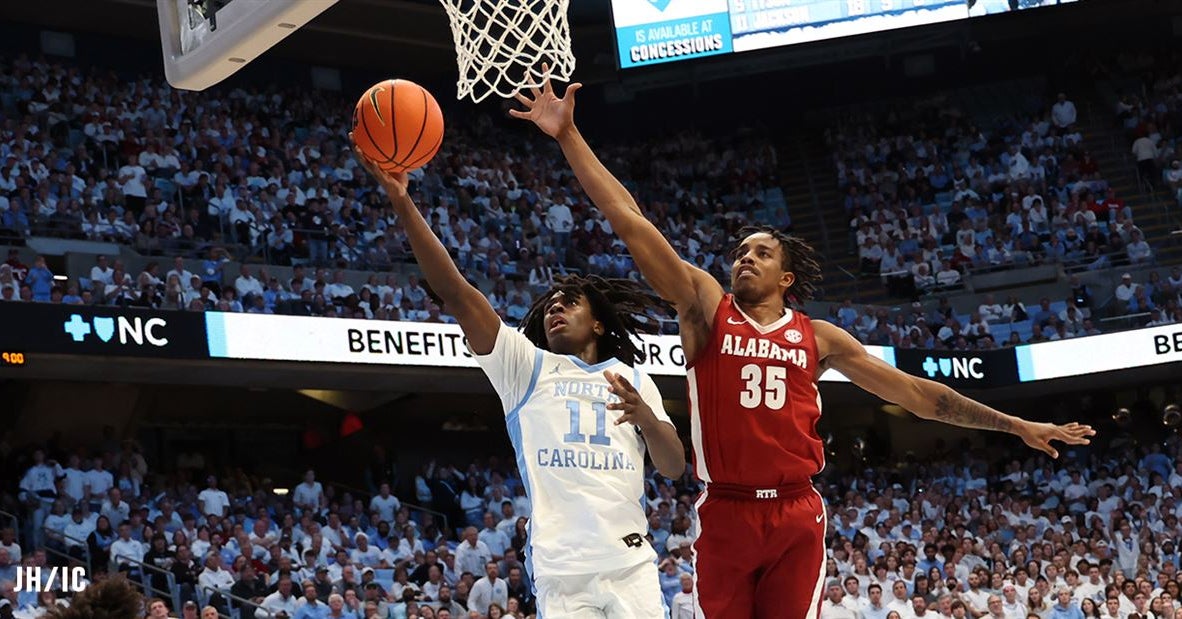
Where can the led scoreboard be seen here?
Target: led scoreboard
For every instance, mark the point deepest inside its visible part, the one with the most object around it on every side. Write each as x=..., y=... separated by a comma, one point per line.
x=657, y=31
x=760, y=24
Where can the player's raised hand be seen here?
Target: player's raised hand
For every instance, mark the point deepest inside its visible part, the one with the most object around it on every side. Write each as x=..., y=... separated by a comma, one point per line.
x=393, y=182
x=1040, y=435
x=636, y=411
x=552, y=115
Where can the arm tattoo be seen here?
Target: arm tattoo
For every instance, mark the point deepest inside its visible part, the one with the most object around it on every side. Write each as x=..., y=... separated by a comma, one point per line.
x=958, y=410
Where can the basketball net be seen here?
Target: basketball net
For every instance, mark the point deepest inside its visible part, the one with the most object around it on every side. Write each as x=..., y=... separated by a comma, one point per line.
x=502, y=44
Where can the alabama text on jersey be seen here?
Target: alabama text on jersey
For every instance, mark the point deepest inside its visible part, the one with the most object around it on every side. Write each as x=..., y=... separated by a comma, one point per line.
x=753, y=401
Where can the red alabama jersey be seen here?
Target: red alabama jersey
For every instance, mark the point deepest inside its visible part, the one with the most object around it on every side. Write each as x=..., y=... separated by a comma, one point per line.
x=754, y=403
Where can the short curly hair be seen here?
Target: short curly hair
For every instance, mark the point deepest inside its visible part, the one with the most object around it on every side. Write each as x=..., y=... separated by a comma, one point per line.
x=112, y=597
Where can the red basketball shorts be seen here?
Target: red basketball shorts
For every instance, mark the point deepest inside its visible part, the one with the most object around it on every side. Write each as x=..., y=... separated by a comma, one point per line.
x=760, y=552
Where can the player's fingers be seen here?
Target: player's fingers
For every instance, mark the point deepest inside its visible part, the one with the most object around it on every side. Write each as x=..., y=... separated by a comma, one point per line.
x=611, y=377
x=524, y=100
x=519, y=114
x=622, y=385
x=625, y=386
x=547, y=87
x=617, y=406
x=572, y=89
x=624, y=419
x=618, y=384
x=364, y=160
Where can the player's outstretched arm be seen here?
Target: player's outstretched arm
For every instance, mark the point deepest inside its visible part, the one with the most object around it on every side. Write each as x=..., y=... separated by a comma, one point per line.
x=673, y=279
x=931, y=400
x=473, y=311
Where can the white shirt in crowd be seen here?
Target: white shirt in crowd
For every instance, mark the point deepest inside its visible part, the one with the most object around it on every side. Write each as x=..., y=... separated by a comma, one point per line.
x=1144, y=149
x=485, y=593
x=129, y=549
x=496, y=541
x=99, y=274
x=307, y=495
x=247, y=285
x=829, y=610
x=77, y=532
x=39, y=478
x=100, y=481
x=218, y=579
x=385, y=506
x=683, y=606
x=75, y=486
x=559, y=218
x=1063, y=114
x=471, y=558
x=275, y=603
x=133, y=178
x=213, y=501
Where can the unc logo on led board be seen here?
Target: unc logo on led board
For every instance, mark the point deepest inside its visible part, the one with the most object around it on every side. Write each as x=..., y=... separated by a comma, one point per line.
x=134, y=330
x=957, y=367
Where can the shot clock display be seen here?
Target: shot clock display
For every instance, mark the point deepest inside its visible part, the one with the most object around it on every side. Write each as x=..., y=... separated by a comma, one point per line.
x=10, y=358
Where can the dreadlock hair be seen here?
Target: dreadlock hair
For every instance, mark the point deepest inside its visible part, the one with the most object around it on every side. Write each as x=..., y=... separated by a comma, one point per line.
x=620, y=304
x=799, y=257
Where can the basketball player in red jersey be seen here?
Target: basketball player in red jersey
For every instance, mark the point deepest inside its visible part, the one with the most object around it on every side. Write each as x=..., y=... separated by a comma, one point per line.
x=753, y=368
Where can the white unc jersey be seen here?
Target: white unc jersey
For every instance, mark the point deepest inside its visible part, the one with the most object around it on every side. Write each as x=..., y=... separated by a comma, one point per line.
x=584, y=474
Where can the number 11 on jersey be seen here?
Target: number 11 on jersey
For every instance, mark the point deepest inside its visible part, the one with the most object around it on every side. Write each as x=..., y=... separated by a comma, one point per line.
x=575, y=436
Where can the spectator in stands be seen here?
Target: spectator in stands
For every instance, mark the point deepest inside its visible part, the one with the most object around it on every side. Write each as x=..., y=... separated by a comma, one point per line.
x=1065, y=608
x=213, y=501
x=1080, y=294
x=281, y=603
x=1140, y=303
x=38, y=490
x=472, y=554
x=1145, y=152
x=126, y=553
x=447, y=603
x=1125, y=290
x=1138, y=250
x=40, y=280
x=1173, y=179
x=309, y=494
x=947, y=277
x=310, y=607
x=1063, y=113
x=990, y=310
x=489, y=590
x=496, y=540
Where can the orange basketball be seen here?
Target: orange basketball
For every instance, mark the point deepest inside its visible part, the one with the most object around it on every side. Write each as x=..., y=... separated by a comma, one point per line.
x=398, y=125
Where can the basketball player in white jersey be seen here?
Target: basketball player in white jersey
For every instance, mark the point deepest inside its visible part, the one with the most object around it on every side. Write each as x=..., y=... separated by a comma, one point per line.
x=562, y=381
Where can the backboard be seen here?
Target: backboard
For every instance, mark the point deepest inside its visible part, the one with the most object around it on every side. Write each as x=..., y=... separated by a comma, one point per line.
x=207, y=41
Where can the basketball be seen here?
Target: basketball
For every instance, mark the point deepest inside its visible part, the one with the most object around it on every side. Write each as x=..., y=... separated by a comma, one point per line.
x=398, y=125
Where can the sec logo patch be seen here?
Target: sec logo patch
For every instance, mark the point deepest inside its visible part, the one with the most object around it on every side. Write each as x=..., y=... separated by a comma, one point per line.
x=793, y=336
